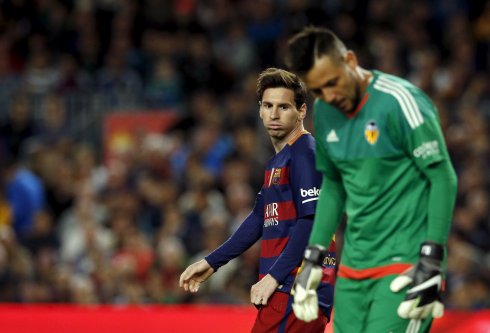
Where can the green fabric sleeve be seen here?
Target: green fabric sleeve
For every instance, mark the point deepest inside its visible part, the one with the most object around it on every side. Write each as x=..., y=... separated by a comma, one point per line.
x=442, y=197
x=331, y=205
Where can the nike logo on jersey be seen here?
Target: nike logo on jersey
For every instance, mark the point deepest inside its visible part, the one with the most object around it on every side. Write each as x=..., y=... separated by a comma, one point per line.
x=332, y=136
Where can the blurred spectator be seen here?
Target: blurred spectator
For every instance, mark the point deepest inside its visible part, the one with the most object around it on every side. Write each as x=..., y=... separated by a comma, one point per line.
x=25, y=195
x=9, y=79
x=40, y=76
x=82, y=290
x=19, y=125
x=81, y=229
x=134, y=257
x=53, y=127
x=43, y=238
x=165, y=86
x=86, y=168
x=171, y=256
x=216, y=231
x=235, y=49
x=120, y=83
x=265, y=27
x=6, y=217
x=72, y=79
x=240, y=200
x=200, y=69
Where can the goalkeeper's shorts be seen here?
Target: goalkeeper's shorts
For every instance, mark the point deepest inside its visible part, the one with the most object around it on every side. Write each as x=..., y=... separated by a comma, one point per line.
x=369, y=306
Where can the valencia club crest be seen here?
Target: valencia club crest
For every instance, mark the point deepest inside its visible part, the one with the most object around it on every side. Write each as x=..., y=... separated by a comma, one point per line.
x=371, y=132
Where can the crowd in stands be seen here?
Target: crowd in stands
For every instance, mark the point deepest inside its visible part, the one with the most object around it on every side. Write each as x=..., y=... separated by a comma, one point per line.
x=75, y=229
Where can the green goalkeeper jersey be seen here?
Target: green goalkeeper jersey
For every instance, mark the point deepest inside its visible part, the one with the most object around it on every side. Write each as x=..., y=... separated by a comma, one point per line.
x=379, y=154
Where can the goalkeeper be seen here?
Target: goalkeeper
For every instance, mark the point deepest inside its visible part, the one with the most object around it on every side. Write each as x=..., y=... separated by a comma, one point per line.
x=384, y=162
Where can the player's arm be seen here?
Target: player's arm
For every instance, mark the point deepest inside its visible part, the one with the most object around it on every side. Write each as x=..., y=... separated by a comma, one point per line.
x=331, y=203
x=329, y=210
x=243, y=238
x=425, y=279
x=415, y=126
x=292, y=254
x=424, y=142
x=288, y=260
x=442, y=197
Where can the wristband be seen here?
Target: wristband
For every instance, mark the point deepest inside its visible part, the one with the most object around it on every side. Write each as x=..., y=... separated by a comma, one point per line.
x=432, y=251
x=315, y=254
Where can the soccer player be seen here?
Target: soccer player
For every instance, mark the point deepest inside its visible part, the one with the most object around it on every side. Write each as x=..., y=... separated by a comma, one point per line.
x=384, y=162
x=282, y=215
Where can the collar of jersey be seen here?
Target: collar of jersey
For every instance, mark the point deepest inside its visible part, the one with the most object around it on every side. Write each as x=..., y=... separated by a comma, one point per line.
x=297, y=136
x=364, y=98
x=359, y=106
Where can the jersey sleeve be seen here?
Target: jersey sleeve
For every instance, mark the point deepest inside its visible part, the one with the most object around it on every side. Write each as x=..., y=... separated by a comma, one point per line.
x=417, y=128
x=331, y=205
x=243, y=238
x=292, y=254
x=305, y=181
x=419, y=133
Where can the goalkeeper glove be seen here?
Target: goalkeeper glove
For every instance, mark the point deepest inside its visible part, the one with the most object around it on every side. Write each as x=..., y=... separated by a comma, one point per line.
x=305, y=305
x=423, y=297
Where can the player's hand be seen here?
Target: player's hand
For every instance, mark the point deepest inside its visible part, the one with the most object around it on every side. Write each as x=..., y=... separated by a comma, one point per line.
x=424, y=280
x=305, y=305
x=262, y=290
x=196, y=273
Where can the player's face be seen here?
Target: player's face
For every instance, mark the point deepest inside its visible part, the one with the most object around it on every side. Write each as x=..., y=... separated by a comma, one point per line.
x=279, y=112
x=335, y=81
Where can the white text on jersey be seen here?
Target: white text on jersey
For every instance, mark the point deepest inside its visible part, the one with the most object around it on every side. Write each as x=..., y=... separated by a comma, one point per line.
x=271, y=216
x=312, y=192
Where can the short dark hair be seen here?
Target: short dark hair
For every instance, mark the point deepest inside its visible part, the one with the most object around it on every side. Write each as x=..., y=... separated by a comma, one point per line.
x=309, y=44
x=280, y=78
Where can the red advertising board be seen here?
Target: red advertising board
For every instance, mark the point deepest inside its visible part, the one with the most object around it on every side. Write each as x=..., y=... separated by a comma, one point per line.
x=122, y=130
x=19, y=318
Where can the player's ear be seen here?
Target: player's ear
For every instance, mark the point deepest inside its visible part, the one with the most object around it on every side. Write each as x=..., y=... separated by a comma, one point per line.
x=260, y=110
x=302, y=111
x=351, y=59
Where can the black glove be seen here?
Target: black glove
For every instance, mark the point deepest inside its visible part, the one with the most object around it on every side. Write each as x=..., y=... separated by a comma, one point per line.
x=424, y=281
x=305, y=305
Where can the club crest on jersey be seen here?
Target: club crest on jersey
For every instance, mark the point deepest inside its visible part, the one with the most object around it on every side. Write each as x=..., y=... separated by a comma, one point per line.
x=276, y=176
x=371, y=132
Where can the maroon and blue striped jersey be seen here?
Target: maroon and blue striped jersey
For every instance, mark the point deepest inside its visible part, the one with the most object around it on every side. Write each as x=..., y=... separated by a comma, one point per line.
x=283, y=217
